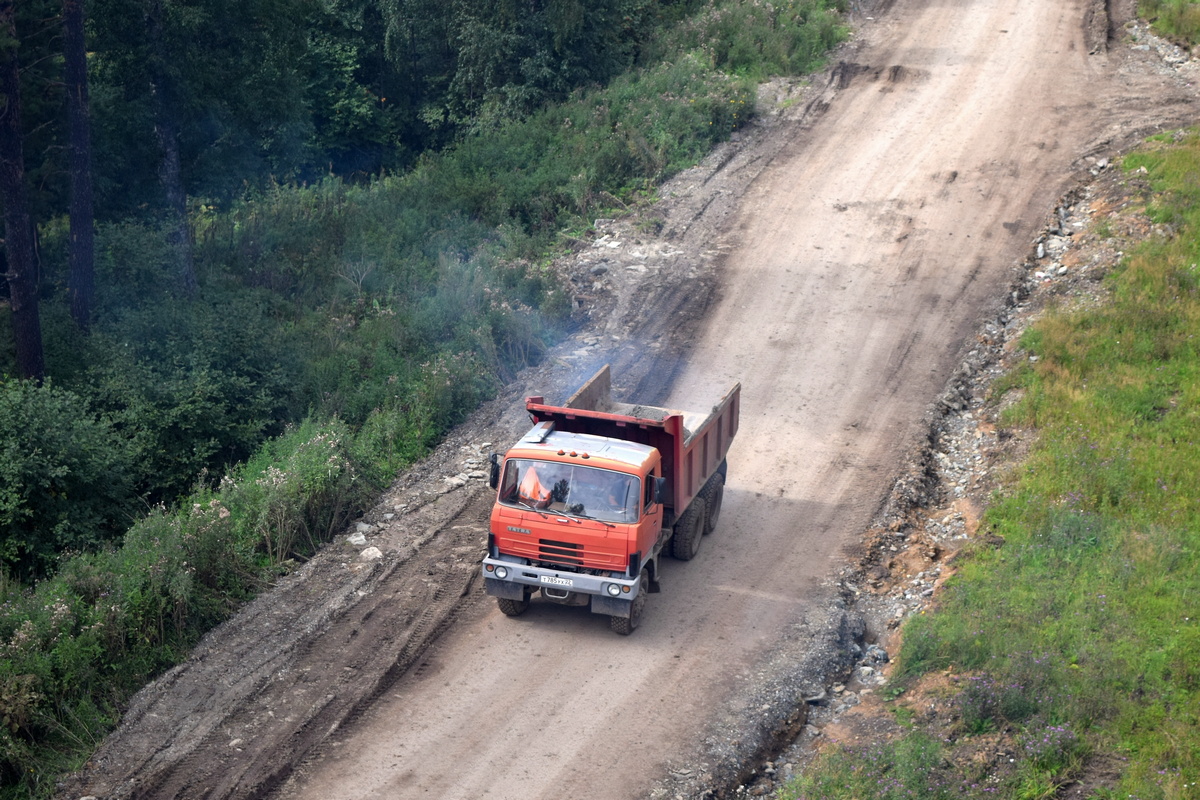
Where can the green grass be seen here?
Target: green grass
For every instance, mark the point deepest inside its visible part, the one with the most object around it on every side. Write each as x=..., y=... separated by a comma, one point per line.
x=1081, y=633
x=1176, y=19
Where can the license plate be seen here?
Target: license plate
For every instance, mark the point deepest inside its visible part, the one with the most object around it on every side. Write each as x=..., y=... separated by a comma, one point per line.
x=556, y=581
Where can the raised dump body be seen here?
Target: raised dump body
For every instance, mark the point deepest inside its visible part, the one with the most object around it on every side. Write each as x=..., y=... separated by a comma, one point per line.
x=589, y=499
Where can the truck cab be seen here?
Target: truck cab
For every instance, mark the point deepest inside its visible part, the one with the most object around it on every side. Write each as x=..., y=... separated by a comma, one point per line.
x=576, y=516
x=596, y=491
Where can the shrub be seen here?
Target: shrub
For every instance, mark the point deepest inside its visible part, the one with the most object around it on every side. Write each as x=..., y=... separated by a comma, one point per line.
x=191, y=388
x=77, y=644
x=787, y=37
x=64, y=476
x=1047, y=746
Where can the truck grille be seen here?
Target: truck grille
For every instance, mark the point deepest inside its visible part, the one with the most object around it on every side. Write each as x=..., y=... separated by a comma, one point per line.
x=568, y=553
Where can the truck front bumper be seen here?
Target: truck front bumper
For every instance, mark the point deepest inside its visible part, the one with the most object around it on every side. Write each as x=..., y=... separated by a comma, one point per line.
x=611, y=596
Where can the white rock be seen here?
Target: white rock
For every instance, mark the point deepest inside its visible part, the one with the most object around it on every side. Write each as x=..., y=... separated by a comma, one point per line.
x=364, y=527
x=371, y=554
x=455, y=481
x=356, y=539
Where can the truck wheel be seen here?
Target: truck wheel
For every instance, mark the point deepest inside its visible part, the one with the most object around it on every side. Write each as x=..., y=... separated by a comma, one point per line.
x=626, y=625
x=512, y=608
x=714, y=494
x=688, y=531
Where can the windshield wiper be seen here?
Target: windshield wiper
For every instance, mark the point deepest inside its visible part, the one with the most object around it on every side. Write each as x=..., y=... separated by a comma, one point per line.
x=537, y=511
x=581, y=515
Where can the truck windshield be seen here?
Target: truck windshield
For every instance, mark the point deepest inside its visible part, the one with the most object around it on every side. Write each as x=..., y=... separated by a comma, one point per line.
x=571, y=489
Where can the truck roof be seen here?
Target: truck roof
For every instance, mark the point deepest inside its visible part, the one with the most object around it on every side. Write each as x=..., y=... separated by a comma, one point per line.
x=592, y=451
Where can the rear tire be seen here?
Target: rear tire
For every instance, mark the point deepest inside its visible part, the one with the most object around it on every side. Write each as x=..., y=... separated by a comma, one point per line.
x=713, y=495
x=627, y=625
x=512, y=608
x=688, y=531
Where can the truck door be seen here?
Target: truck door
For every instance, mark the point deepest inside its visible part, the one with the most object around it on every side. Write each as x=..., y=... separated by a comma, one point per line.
x=650, y=532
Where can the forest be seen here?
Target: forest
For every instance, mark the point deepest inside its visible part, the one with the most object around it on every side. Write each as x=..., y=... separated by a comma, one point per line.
x=259, y=255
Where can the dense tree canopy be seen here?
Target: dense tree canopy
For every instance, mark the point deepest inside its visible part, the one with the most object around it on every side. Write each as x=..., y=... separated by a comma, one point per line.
x=296, y=89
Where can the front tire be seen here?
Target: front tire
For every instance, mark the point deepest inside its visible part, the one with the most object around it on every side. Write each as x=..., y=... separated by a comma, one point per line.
x=688, y=531
x=627, y=625
x=512, y=608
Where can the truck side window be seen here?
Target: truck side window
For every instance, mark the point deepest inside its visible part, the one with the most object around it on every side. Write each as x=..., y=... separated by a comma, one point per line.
x=508, y=486
x=648, y=485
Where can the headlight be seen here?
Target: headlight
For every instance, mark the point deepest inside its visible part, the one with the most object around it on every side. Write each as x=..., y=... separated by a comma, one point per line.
x=501, y=572
x=614, y=590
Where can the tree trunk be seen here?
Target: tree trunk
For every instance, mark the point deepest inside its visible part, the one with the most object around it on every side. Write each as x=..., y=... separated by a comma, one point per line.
x=170, y=174
x=82, y=282
x=18, y=232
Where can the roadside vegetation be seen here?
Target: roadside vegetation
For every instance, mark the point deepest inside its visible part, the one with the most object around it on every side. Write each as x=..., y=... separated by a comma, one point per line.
x=362, y=278
x=1071, y=630
x=1178, y=20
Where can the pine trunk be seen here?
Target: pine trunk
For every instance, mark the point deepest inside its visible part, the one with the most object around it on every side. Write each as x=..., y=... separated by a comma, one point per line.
x=82, y=282
x=18, y=232
x=170, y=173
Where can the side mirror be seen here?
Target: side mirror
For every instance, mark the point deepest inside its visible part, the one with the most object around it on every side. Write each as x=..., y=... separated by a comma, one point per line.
x=660, y=490
x=494, y=473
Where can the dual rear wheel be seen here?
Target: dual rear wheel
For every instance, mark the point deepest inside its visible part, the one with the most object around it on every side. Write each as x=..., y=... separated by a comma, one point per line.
x=699, y=520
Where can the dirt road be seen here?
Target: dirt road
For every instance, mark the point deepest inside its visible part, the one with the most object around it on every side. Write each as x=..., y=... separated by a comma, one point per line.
x=855, y=244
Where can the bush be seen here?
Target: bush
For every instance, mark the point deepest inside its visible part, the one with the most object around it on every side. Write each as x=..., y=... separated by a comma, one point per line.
x=64, y=477
x=764, y=38
x=192, y=388
x=77, y=644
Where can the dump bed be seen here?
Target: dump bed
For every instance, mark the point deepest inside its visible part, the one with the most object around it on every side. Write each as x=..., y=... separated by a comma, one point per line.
x=692, y=445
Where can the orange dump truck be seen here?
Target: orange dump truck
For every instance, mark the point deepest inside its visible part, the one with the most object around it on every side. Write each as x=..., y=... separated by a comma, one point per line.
x=591, y=497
